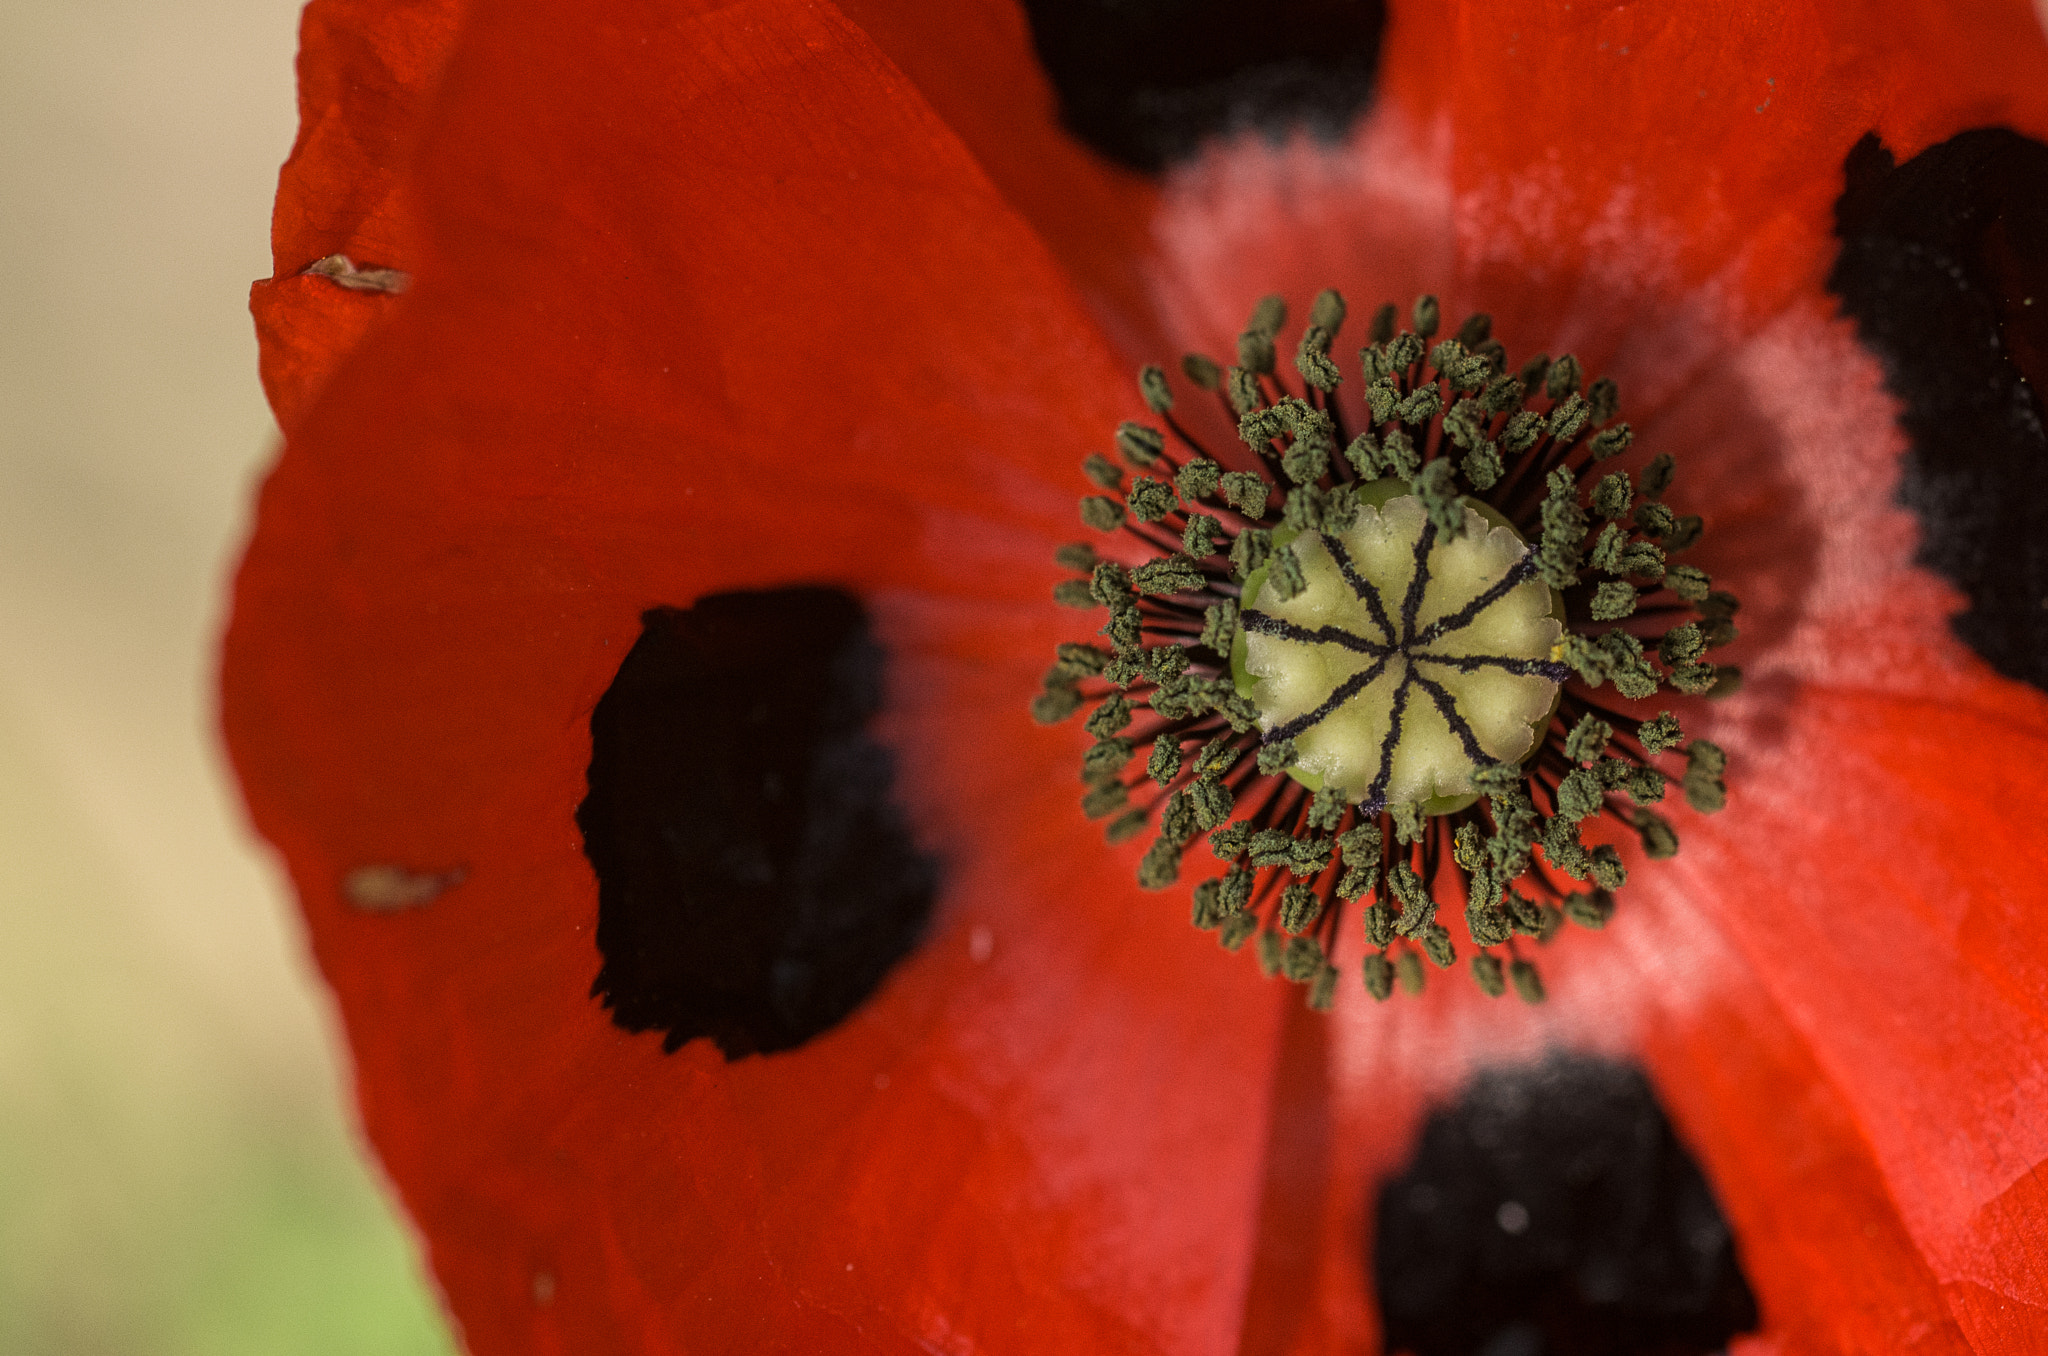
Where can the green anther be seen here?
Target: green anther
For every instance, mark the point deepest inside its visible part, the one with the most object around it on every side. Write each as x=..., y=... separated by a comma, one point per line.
x=1630, y=672
x=1073, y=593
x=1106, y=759
x=1247, y=492
x=1340, y=508
x=1158, y=396
x=1608, y=872
x=1657, y=475
x=1272, y=847
x=1309, y=856
x=1681, y=645
x=1585, y=658
x=1420, y=405
x=1685, y=532
x=1468, y=847
x=1360, y=875
x=1164, y=662
x=1502, y=393
x=1718, y=632
x=1643, y=560
x=1102, y=801
x=1055, y=704
x=1103, y=471
x=1465, y=424
x=1261, y=427
x=1269, y=315
x=1382, y=328
x=1645, y=785
x=1381, y=398
x=1654, y=519
x=1525, y=916
x=1704, y=766
x=1408, y=969
x=1378, y=976
x=1081, y=661
x=1300, y=907
x=1379, y=921
x=1197, y=479
x=1284, y=575
x=1478, y=327
x=1695, y=679
x=1408, y=821
x=1690, y=583
x=1612, y=442
x=1202, y=370
x=1439, y=496
x=1243, y=388
x=1102, y=513
x=1125, y=827
x=1364, y=456
x=1150, y=499
x=1110, y=717
x=1164, y=764
x=1141, y=445
x=1403, y=352
x=1237, y=930
x=1322, y=990
x=1612, y=496
x=1168, y=575
x=1612, y=772
x=1270, y=950
x=1326, y=809
x=1521, y=433
x=1608, y=548
x=1603, y=400
x=1110, y=584
x=1231, y=841
x=1307, y=458
x=1200, y=536
x=1568, y=418
x=1563, y=377
x=1659, y=839
x=1215, y=758
x=1160, y=866
x=1255, y=351
x=1236, y=891
x=1251, y=551
x=1589, y=910
x=1489, y=925
x=1418, y=910
x=1499, y=780
x=1446, y=355
x=1613, y=600
x=1219, y=626
x=1659, y=733
x=1588, y=739
x=1177, y=820
x=1579, y=794
x=1562, y=846
x=1077, y=555
x=1528, y=984
x=1398, y=456
x=1212, y=802
x=1486, y=971
x=1436, y=944
x=1312, y=360
x=1482, y=466
x=1564, y=527
x=1327, y=311
x=1208, y=911
x=1428, y=315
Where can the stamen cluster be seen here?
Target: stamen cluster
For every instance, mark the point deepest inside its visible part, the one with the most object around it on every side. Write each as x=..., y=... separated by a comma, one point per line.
x=1449, y=424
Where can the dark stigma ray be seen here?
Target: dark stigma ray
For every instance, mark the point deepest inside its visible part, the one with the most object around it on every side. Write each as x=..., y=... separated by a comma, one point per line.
x=1367, y=591
x=1267, y=625
x=1472, y=663
x=1346, y=690
x=1518, y=573
x=1376, y=794
x=1447, y=707
x=1418, y=581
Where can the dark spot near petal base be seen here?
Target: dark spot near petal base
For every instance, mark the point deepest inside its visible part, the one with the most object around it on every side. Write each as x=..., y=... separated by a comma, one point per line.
x=1944, y=267
x=755, y=880
x=1145, y=82
x=1552, y=1212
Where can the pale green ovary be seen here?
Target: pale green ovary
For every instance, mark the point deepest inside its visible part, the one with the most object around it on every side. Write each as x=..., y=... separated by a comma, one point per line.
x=1429, y=760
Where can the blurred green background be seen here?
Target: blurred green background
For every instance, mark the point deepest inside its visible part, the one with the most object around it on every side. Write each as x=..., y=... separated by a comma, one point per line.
x=179, y=1171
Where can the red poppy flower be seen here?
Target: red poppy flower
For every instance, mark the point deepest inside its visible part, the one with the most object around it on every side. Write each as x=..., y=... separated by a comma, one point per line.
x=713, y=297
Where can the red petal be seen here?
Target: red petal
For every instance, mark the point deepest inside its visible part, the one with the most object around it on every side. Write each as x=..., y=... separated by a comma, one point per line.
x=758, y=321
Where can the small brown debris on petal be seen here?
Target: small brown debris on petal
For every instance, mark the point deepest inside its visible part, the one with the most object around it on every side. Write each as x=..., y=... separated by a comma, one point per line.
x=384, y=888
x=342, y=269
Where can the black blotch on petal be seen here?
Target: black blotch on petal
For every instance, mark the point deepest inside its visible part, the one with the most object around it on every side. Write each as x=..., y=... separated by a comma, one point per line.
x=1552, y=1212
x=755, y=880
x=1944, y=266
x=1145, y=82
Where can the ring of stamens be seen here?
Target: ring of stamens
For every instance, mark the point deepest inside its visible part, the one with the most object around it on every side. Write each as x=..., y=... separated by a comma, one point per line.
x=1455, y=734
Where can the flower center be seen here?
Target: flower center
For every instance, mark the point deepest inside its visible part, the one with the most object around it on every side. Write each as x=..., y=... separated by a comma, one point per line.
x=1400, y=655
x=1369, y=668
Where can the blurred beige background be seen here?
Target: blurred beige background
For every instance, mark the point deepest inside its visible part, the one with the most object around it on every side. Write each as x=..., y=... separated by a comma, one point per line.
x=178, y=1168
